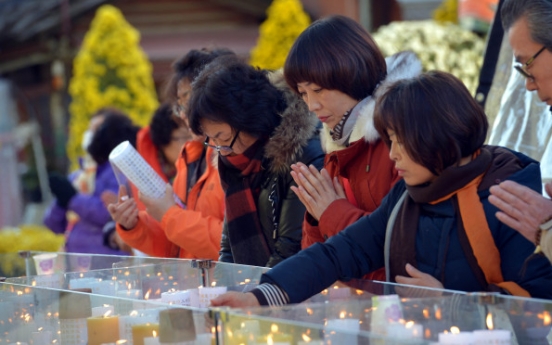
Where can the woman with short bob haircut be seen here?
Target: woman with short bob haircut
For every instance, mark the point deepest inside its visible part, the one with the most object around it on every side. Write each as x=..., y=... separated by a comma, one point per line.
x=444, y=233
x=339, y=71
x=259, y=127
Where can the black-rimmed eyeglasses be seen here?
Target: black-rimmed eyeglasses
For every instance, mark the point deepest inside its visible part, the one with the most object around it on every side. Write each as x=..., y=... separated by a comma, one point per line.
x=222, y=148
x=522, y=68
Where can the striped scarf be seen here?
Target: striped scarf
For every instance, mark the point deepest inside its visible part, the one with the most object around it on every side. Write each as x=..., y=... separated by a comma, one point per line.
x=241, y=177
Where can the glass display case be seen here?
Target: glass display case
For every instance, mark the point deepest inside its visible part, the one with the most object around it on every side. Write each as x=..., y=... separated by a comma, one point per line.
x=402, y=315
x=358, y=312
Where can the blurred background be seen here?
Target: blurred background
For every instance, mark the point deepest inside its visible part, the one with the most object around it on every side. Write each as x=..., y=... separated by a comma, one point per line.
x=40, y=39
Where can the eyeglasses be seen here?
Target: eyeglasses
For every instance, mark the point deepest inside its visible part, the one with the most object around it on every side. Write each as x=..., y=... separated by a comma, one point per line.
x=224, y=149
x=522, y=67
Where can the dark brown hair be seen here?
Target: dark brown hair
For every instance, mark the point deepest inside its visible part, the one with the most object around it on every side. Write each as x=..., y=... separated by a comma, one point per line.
x=435, y=118
x=189, y=66
x=336, y=53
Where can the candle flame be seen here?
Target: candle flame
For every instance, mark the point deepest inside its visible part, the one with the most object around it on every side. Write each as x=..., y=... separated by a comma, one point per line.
x=40, y=328
x=438, y=314
x=213, y=284
x=121, y=341
x=134, y=313
x=147, y=295
x=359, y=292
x=247, y=280
x=81, y=275
x=269, y=340
x=336, y=287
x=274, y=328
x=154, y=333
x=454, y=330
x=489, y=321
x=213, y=329
x=127, y=273
x=546, y=318
x=107, y=313
x=306, y=338
x=426, y=313
x=309, y=311
x=342, y=314
x=19, y=293
x=409, y=324
x=427, y=333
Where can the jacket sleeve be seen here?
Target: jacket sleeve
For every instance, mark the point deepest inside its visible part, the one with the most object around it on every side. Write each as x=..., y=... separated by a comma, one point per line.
x=148, y=237
x=55, y=218
x=90, y=208
x=196, y=233
x=329, y=225
x=546, y=244
x=353, y=252
x=225, y=254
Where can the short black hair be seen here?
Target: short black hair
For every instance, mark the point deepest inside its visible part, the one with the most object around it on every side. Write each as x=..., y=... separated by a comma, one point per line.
x=435, y=118
x=162, y=124
x=230, y=91
x=336, y=53
x=189, y=66
x=116, y=128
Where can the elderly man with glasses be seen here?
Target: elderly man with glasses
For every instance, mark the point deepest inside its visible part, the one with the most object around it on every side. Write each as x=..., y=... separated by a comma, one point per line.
x=529, y=27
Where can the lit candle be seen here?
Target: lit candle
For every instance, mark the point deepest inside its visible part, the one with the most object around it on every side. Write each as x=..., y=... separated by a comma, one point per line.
x=342, y=331
x=102, y=329
x=409, y=330
x=492, y=337
x=455, y=337
x=41, y=338
x=140, y=332
x=105, y=309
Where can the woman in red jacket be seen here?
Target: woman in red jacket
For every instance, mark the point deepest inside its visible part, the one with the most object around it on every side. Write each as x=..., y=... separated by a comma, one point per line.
x=339, y=71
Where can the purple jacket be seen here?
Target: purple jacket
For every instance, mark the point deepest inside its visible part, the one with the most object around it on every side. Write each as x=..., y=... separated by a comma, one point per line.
x=86, y=235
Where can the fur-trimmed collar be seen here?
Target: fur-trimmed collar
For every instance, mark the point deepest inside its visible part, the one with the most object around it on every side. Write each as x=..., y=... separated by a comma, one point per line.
x=291, y=136
x=399, y=66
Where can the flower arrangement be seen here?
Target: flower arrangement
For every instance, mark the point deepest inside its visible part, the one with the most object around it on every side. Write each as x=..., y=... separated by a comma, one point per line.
x=110, y=69
x=445, y=47
x=25, y=237
x=285, y=21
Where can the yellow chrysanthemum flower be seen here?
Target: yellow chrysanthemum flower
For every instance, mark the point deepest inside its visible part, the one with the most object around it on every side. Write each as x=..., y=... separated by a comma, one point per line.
x=110, y=70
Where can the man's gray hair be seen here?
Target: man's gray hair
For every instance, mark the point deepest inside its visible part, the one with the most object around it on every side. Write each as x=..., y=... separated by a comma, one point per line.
x=538, y=14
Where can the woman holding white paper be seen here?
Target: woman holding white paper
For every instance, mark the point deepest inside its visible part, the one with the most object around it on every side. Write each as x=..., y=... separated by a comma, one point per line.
x=165, y=229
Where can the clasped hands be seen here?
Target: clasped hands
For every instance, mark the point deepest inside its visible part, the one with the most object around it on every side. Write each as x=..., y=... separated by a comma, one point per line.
x=315, y=189
x=125, y=210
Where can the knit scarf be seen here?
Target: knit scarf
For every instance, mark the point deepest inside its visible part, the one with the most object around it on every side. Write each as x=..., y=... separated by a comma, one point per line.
x=460, y=184
x=241, y=179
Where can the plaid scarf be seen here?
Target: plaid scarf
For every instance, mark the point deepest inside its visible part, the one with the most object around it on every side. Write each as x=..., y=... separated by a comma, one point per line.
x=241, y=179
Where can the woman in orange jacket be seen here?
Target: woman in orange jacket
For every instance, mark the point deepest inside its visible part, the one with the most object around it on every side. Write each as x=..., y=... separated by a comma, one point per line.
x=166, y=229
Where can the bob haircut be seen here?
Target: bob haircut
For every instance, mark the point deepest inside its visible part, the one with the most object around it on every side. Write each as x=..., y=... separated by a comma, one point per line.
x=162, y=124
x=116, y=128
x=434, y=117
x=336, y=53
x=189, y=66
x=232, y=92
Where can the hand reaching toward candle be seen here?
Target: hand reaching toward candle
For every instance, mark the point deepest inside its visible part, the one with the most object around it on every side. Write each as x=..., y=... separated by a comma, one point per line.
x=158, y=207
x=315, y=189
x=235, y=300
x=125, y=210
x=418, y=278
x=521, y=208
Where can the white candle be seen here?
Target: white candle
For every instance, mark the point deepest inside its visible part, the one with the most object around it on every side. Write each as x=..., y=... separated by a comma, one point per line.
x=151, y=341
x=82, y=283
x=410, y=330
x=41, y=338
x=176, y=297
x=103, y=310
x=342, y=331
x=206, y=294
x=461, y=338
x=492, y=337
